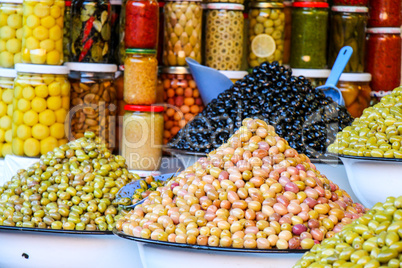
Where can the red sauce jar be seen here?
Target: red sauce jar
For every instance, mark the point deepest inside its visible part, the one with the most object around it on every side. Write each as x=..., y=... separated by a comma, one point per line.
x=385, y=13
x=142, y=21
x=384, y=58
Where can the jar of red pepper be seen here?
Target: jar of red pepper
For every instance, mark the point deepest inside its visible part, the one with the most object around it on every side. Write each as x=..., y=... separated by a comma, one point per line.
x=385, y=13
x=384, y=58
x=142, y=21
x=350, y=2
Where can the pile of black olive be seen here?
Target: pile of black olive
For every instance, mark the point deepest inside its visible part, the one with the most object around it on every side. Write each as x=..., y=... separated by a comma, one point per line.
x=302, y=115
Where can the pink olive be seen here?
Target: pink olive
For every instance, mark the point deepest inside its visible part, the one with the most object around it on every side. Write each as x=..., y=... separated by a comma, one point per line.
x=298, y=229
x=224, y=175
x=300, y=167
x=313, y=224
x=292, y=187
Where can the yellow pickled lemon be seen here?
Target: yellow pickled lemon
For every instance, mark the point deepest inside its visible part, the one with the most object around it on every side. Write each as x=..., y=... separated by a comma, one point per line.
x=2, y=45
x=47, y=45
x=3, y=19
x=6, y=32
x=10, y=110
x=47, y=118
x=59, y=22
x=18, y=117
x=28, y=93
x=65, y=103
x=60, y=115
x=55, y=33
x=55, y=11
x=41, y=10
x=40, y=131
x=31, y=147
x=53, y=58
x=9, y=135
x=14, y=21
x=40, y=33
x=17, y=94
x=17, y=57
x=48, y=78
x=59, y=45
x=27, y=10
x=38, y=104
x=13, y=45
x=5, y=122
x=263, y=45
x=6, y=59
x=54, y=103
x=26, y=32
x=32, y=21
x=48, y=22
x=24, y=132
x=38, y=56
x=41, y=91
x=7, y=149
x=31, y=118
x=65, y=89
x=2, y=135
x=23, y=105
x=48, y=145
x=25, y=55
x=3, y=108
x=57, y=130
x=32, y=43
x=62, y=141
x=54, y=89
x=19, y=33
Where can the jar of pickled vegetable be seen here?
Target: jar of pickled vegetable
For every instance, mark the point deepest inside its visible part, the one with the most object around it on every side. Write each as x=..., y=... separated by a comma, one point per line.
x=350, y=2
x=7, y=77
x=348, y=28
x=141, y=75
x=142, y=24
x=159, y=54
x=44, y=19
x=93, y=101
x=67, y=31
x=317, y=77
x=142, y=137
x=182, y=97
x=10, y=32
x=385, y=13
x=355, y=91
x=122, y=28
x=91, y=34
x=40, y=106
x=383, y=58
x=119, y=84
x=309, y=35
x=266, y=33
x=114, y=22
x=224, y=36
x=182, y=32
x=288, y=31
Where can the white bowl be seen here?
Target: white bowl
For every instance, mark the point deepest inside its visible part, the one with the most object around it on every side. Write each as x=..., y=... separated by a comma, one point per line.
x=373, y=179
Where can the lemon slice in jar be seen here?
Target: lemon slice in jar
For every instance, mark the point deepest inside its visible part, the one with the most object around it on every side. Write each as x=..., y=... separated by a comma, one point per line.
x=263, y=46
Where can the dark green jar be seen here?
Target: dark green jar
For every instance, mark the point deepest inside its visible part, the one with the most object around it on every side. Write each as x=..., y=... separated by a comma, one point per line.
x=309, y=35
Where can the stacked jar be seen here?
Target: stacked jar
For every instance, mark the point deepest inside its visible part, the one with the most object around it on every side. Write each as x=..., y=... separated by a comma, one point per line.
x=7, y=77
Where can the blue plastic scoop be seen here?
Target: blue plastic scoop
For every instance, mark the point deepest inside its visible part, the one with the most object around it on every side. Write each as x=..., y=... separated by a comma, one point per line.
x=330, y=89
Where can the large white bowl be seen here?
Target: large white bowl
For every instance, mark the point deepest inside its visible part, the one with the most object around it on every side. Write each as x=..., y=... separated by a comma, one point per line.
x=174, y=255
x=373, y=179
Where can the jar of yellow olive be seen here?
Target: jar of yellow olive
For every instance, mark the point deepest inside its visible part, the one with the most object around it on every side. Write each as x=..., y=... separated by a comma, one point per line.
x=10, y=32
x=42, y=42
x=93, y=101
x=266, y=33
x=182, y=32
x=40, y=106
x=7, y=77
x=224, y=36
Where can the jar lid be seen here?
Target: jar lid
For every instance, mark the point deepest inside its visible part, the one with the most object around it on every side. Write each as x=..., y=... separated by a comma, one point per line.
x=225, y=6
x=4, y=72
x=266, y=5
x=144, y=108
x=311, y=73
x=175, y=70
x=116, y=2
x=234, y=74
x=204, y=5
x=67, y=3
x=311, y=4
x=12, y=1
x=91, y=67
x=140, y=51
x=121, y=68
x=385, y=30
x=350, y=9
x=287, y=3
x=355, y=77
x=41, y=69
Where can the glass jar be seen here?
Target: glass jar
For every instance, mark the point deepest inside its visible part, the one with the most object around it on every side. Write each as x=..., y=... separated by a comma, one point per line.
x=11, y=32
x=383, y=58
x=40, y=106
x=317, y=77
x=224, y=36
x=42, y=41
x=266, y=33
x=350, y=2
x=114, y=21
x=182, y=97
x=119, y=85
x=182, y=32
x=142, y=19
x=288, y=31
x=7, y=77
x=234, y=76
x=141, y=75
x=356, y=92
x=309, y=35
x=385, y=13
x=348, y=28
x=93, y=101
x=122, y=29
x=91, y=34
x=67, y=31
x=142, y=137
x=159, y=54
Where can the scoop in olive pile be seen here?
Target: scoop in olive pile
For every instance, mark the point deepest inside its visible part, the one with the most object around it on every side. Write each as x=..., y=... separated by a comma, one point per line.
x=300, y=114
x=377, y=133
x=373, y=240
x=72, y=187
x=254, y=191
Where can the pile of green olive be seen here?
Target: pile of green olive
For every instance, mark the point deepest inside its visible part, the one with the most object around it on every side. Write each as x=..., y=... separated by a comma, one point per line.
x=373, y=240
x=377, y=133
x=72, y=187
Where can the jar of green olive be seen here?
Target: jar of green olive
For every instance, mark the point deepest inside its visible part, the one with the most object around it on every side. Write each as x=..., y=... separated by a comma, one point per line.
x=266, y=33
